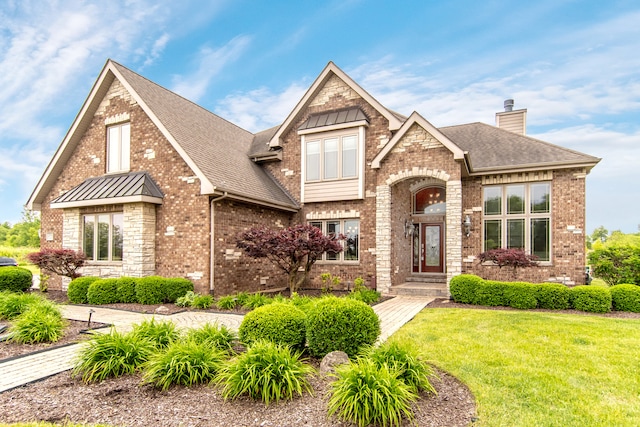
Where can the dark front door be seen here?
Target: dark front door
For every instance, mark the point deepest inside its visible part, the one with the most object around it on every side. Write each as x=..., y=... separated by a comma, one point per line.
x=432, y=245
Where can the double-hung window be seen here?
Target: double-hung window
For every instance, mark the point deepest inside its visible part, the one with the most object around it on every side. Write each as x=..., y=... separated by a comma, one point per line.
x=102, y=236
x=350, y=228
x=331, y=157
x=118, y=148
x=518, y=216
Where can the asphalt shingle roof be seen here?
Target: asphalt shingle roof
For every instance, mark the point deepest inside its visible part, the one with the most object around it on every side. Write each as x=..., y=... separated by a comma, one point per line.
x=218, y=148
x=492, y=148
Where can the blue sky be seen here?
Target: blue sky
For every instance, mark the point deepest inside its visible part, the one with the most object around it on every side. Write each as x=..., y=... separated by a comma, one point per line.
x=575, y=65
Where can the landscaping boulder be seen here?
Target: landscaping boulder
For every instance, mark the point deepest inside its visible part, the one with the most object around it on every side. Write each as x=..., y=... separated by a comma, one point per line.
x=331, y=360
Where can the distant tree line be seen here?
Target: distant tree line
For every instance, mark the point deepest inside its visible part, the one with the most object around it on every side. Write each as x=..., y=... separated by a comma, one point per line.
x=23, y=233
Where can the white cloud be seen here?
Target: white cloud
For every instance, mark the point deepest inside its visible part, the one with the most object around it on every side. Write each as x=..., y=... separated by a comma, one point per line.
x=209, y=63
x=260, y=109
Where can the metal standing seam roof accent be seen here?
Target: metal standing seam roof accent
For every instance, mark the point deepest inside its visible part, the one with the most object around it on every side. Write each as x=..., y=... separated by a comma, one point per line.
x=112, y=187
x=338, y=117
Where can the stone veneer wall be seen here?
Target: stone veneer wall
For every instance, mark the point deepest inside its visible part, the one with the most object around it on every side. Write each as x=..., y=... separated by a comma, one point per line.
x=139, y=240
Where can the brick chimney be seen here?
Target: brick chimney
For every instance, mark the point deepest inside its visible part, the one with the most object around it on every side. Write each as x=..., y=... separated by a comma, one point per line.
x=514, y=121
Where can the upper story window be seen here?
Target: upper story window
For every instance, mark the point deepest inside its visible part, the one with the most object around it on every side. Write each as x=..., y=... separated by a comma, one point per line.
x=118, y=147
x=102, y=236
x=518, y=216
x=331, y=156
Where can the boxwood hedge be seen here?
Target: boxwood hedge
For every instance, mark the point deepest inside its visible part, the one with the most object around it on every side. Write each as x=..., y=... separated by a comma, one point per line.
x=277, y=322
x=594, y=299
x=626, y=297
x=15, y=279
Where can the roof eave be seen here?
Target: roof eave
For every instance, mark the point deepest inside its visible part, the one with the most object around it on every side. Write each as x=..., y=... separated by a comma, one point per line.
x=109, y=201
x=533, y=167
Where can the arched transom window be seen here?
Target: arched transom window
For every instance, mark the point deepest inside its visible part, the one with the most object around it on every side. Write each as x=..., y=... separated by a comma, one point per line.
x=430, y=200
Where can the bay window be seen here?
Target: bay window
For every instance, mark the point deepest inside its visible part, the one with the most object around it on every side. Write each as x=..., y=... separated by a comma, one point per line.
x=102, y=236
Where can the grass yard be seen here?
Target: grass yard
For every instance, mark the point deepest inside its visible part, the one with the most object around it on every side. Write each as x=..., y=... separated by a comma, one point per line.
x=537, y=369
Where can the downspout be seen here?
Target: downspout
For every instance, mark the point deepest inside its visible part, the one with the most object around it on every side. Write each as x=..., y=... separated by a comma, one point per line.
x=212, y=245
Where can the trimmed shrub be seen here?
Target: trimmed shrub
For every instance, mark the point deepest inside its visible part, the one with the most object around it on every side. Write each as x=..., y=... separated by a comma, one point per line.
x=150, y=290
x=202, y=301
x=521, y=295
x=111, y=355
x=266, y=371
x=463, y=288
x=213, y=336
x=39, y=324
x=77, y=290
x=15, y=279
x=340, y=324
x=594, y=299
x=280, y=323
x=176, y=287
x=368, y=394
x=103, y=291
x=13, y=305
x=184, y=363
x=490, y=293
x=126, y=289
x=404, y=359
x=552, y=296
x=625, y=297
x=160, y=334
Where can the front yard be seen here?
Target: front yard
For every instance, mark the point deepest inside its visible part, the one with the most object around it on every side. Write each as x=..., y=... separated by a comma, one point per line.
x=537, y=368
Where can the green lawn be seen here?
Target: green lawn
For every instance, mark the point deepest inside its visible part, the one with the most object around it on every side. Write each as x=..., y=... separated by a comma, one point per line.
x=537, y=369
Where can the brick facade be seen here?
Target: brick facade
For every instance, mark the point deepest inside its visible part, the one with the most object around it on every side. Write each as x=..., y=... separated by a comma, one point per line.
x=194, y=235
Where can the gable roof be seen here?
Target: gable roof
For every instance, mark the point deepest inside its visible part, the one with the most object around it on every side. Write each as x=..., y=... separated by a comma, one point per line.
x=491, y=149
x=332, y=70
x=215, y=149
x=416, y=118
x=111, y=189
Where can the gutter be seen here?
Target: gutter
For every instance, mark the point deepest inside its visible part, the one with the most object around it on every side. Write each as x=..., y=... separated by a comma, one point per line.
x=212, y=244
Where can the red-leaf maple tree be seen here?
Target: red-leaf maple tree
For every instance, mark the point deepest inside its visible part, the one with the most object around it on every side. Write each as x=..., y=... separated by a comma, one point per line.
x=64, y=262
x=294, y=249
x=509, y=257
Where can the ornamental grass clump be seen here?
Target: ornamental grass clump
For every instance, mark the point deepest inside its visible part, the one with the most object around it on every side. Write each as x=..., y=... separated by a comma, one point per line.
x=13, y=305
x=227, y=302
x=366, y=393
x=254, y=301
x=41, y=323
x=213, y=336
x=202, y=301
x=404, y=359
x=266, y=371
x=186, y=362
x=112, y=355
x=159, y=333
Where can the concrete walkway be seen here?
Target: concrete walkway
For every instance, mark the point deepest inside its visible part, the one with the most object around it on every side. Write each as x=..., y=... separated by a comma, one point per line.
x=393, y=314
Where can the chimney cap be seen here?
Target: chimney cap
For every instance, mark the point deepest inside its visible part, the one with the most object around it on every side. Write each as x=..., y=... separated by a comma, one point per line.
x=508, y=105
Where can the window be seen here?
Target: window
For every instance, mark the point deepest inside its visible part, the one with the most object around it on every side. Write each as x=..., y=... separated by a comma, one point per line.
x=432, y=200
x=518, y=216
x=331, y=157
x=118, y=147
x=350, y=228
x=102, y=236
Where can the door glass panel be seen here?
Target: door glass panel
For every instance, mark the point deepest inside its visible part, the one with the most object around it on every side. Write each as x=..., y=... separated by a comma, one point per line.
x=432, y=246
x=416, y=248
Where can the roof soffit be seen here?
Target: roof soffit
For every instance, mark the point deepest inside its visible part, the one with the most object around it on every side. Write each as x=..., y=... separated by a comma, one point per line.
x=415, y=118
x=331, y=69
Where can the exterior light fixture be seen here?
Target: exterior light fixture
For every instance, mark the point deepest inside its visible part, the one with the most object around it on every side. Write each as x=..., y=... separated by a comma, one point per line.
x=467, y=225
x=408, y=228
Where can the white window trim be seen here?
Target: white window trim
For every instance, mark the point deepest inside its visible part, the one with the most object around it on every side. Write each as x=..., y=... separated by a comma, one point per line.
x=313, y=134
x=341, y=259
x=123, y=166
x=527, y=216
x=95, y=238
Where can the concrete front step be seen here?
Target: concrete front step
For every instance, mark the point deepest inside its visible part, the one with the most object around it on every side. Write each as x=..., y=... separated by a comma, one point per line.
x=434, y=290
